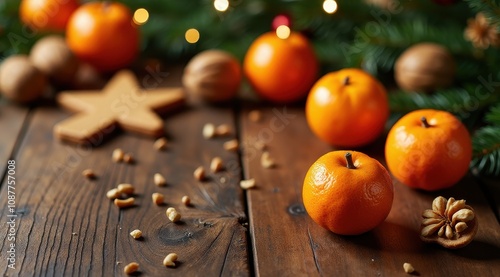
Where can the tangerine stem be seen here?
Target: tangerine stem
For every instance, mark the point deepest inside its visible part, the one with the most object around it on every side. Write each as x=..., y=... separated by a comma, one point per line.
x=425, y=124
x=346, y=81
x=348, y=159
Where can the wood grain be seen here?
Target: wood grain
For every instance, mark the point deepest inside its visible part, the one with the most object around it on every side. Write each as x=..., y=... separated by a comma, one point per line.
x=67, y=227
x=286, y=242
x=11, y=121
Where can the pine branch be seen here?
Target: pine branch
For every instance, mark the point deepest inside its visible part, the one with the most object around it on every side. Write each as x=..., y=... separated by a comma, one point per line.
x=490, y=9
x=458, y=100
x=493, y=116
x=486, y=149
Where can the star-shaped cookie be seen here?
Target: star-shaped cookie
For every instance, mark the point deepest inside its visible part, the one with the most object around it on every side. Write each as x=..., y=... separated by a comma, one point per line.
x=122, y=102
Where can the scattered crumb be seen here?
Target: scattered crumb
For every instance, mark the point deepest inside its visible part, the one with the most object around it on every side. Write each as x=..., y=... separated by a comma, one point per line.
x=216, y=165
x=128, y=158
x=223, y=130
x=408, y=268
x=266, y=161
x=117, y=155
x=160, y=144
x=199, y=173
x=231, y=145
x=247, y=184
x=89, y=173
x=208, y=131
x=255, y=115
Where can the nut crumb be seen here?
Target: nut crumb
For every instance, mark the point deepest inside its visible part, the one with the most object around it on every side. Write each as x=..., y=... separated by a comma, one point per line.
x=158, y=198
x=113, y=194
x=89, y=174
x=131, y=268
x=124, y=203
x=266, y=161
x=117, y=155
x=231, y=145
x=216, y=165
x=136, y=234
x=74, y=234
x=199, y=173
x=208, y=131
x=255, y=115
x=128, y=158
x=223, y=130
x=170, y=260
x=408, y=268
x=173, y=215
x=159, y=180
x=160, y=144
x=186, y=200
x=125, y=188
x=247, y=184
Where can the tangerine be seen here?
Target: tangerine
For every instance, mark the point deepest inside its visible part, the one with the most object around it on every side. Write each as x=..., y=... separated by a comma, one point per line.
x=281, y=70
x=347, y=192
x=103, y=34
x=47, y=15
x=428, y=149
x=347, y=108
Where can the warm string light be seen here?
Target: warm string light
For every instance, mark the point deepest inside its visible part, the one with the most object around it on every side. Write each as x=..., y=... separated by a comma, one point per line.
x=221, y=5
x=141, y=16
x=192, y=35
x=330, y=6
x=283, y=31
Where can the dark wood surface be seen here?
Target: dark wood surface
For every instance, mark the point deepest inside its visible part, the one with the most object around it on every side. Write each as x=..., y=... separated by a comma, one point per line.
x=67, y=227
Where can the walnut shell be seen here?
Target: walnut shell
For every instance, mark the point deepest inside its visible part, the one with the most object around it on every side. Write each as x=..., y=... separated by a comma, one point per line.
x=424, y=67
x=20, y=80
x=52, y=56
x=448, y=214
x=213, y=75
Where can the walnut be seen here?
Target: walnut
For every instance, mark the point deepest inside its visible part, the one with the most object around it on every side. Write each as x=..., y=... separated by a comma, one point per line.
x=450, y=223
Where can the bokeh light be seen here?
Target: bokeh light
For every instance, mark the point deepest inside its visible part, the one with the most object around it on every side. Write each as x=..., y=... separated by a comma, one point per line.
x=192, y=35
x=283, y=31
x=330, y=6
x=221, y=5
x=141, y=16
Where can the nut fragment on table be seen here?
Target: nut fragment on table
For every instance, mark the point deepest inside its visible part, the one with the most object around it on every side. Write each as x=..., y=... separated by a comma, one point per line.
x=199, y=173
x=113, y=194
x=124, y=203
x=231, y=145
x=186, y=200
x=255, y=115
x=160, y=144
x=173, y=215
x=158, y=198
x=216, y=165
x=450, y=223
x=117, y=155
x=247, y=184
x=128, y=158
x=89, y=173
x=170, y=260
x=136, y=234
x=131, y=268
x=222, y=130
x=159, y=180
x=266, y=161
x=208, y=130
x=125, y=188
x=408, y=268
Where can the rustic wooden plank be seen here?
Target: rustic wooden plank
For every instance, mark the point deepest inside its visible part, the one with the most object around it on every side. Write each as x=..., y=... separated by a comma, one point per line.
x=491, y=188
x=67, y=227
x=12, y=118
x=286, y=242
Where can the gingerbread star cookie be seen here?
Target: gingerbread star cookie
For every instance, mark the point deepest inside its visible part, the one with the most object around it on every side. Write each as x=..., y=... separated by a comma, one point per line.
x=122, y=102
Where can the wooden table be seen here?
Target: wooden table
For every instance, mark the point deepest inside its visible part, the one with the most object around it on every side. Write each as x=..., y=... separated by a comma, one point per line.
x=65, y=225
